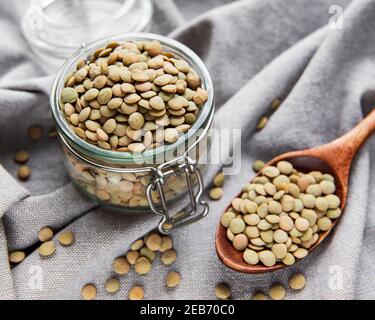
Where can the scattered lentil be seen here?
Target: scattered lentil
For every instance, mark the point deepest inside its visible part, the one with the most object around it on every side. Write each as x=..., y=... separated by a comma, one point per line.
x=112, y=285
x=121, y=266
x=153, y=242
x=17, y=256
x=136, y=293
x=137, y=245
x=149, y=254
x=219, y=180
x=47, y=249
x=277, y=292
x=173, y=279
x=66, y=238
x=168, y=257
x=259, y=296
x=21, y=156
x=275, y=104
x=297, y=281
x=223, y=291
x=52, y=133
x=166, y=244
x=132, y=257
x=35, y=132
x=142, y=266
x=262, y=123
x=216, y=193
x=45, y=234
x=24, y=173
x=88, y=292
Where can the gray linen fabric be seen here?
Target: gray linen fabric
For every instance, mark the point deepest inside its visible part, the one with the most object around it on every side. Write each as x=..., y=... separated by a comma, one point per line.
x=256, y=50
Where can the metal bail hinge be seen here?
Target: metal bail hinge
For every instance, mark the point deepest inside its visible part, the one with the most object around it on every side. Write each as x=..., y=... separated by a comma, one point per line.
x=199, y=208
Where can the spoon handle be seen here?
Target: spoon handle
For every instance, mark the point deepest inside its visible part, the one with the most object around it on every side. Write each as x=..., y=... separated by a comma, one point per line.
x=340, y=152
x=356, y=137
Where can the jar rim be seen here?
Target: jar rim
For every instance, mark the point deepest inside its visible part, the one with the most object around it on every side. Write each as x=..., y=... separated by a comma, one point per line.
x=181, y=50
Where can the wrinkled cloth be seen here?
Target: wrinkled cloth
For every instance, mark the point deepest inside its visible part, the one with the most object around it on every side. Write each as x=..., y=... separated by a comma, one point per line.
x=256, y=51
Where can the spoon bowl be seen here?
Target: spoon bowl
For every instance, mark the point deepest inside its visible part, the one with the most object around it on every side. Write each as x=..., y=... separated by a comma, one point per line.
x=335, y=158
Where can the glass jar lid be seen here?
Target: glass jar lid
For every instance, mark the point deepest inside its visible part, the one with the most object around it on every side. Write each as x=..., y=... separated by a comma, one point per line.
x=55, y=29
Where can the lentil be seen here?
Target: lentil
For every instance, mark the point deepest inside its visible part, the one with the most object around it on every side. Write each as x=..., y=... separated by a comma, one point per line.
x=88, y=292
x=297, y=281
x=227, y=217
x=259, y=296
x=121, y=266
x=267, y=258
x=277, y=292
x=21, y=156
x=132, y=257
x=216, y=193
x=45, y=234
x=222, y=291
x=251, y=257
x=142, y=266
x=237, y=225
x=66, y=238
x=112, y=285
x=136, y=293
x=240, y=242
x=275, y=104
x=262, y=123
x=146, y=252
x=47, y=249
x=137, y=245
x=24, y=173
x=219, y=180
x=258, y=165
x=168, y=257
x=153, y=242
x=173, y=279
x=166, y=244
x=17, y=256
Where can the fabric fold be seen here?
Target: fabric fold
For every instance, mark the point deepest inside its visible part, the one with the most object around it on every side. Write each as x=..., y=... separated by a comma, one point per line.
x=11, y=191
x=256, y=51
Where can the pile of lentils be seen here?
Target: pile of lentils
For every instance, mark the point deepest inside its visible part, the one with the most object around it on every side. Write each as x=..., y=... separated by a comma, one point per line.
x=132, y=96
x=280, y=215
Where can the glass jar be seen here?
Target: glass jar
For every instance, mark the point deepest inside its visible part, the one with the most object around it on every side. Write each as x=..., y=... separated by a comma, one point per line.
x=55, y=29
x=153, y=179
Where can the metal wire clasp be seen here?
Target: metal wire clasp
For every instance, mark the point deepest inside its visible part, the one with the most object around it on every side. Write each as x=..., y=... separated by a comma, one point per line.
x=198, y=208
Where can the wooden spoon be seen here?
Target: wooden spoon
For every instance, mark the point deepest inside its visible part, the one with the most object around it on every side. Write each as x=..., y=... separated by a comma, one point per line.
x=335, y=158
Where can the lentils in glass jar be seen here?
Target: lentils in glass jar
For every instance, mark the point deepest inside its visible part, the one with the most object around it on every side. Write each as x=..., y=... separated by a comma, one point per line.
x=132, y=96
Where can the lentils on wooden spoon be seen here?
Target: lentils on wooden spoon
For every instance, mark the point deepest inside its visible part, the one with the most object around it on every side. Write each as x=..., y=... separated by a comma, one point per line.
x=280, y=214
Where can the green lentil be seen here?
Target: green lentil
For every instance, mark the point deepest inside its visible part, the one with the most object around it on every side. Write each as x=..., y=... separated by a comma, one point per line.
x=216, y=193
x=262, y=123
x=297, y=281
